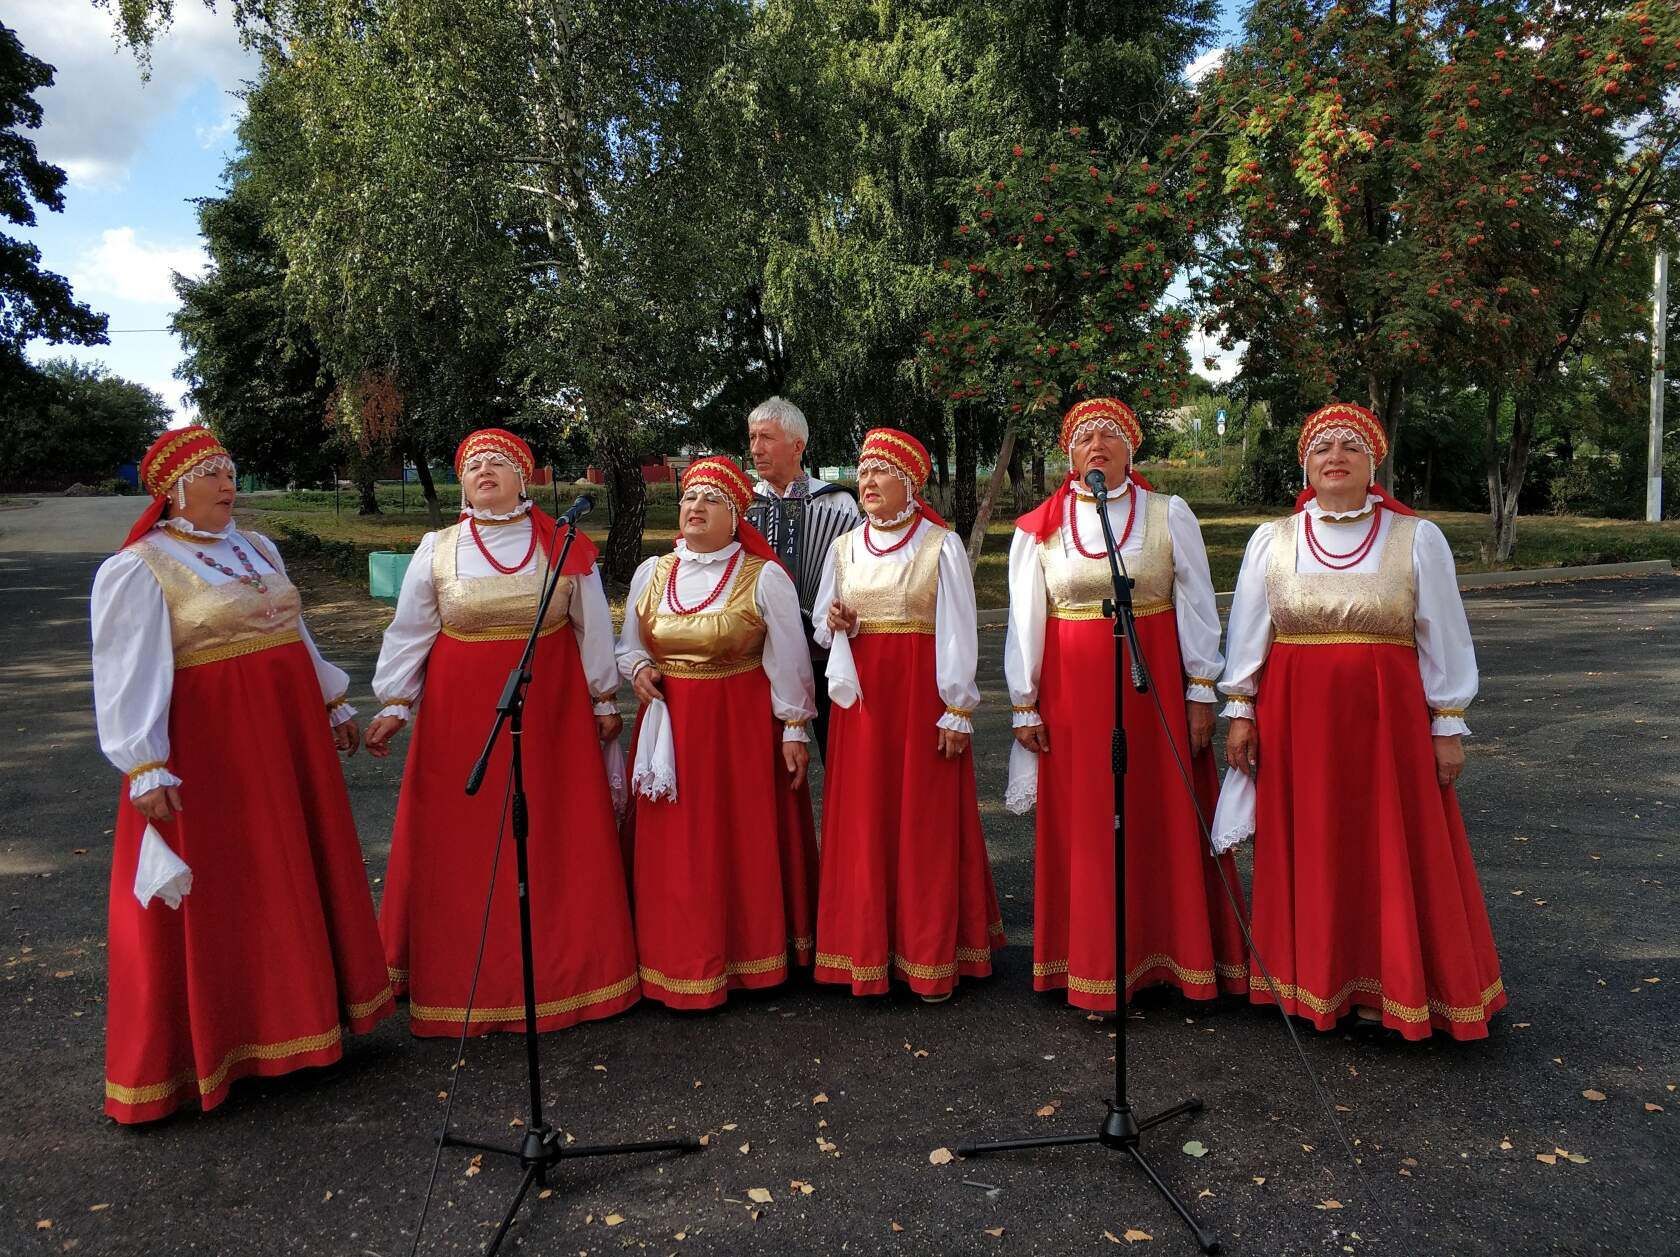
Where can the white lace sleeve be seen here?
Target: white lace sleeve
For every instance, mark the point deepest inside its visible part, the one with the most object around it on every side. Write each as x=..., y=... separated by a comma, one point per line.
x=631, y=653
x=400, y=673
x=787, y=658
x=133, y=671
x=592, y=624
x=1195, y=607
x=1023, y=645
x=1248, y=636
x=1446, y=653
x=956, y=637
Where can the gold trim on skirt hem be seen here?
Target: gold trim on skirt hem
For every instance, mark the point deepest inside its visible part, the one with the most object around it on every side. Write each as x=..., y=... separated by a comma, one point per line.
x=1158, y=960
x=1413, y=1013
x=156, y=1091
x=550, y=1008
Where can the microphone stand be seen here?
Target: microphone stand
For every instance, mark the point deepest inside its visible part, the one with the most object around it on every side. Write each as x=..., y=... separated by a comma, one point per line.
x=540, y=1148
x=1121, y=1129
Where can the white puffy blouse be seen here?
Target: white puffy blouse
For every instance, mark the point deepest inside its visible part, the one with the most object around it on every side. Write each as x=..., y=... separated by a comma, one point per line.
x=133, y=649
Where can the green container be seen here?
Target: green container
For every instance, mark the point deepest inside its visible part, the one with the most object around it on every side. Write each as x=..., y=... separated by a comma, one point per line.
x=385, y=574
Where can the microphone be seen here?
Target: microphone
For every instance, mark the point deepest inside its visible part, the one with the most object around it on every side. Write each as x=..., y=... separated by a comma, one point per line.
x=576, y=511
x=1095, y=482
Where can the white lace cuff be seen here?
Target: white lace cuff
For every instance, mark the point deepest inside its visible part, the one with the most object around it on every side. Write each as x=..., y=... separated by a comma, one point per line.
x=1448, y=726
x=604, y=708
x=400, y=708
x=1199, y=692
x=340, y=712
x=1025, y=718
x=795, y=732
x=956, y=719
x=1239, y=708
x=150, y=779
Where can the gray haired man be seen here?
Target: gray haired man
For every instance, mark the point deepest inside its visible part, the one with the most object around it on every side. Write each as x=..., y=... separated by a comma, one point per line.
x=799, y=514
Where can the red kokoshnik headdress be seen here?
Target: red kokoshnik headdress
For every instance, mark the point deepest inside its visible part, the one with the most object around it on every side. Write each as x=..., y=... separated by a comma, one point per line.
x=1347, y=417
x=170, y=459
x=906, y=455
x=724, y=475
x=511, y=449
x=1109, y=412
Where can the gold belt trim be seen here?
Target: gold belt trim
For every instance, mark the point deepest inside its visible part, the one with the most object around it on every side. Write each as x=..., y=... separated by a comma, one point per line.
x=710, y=671
x=1094, y=611
x=508, y=633
x=244, y=1052
x=1415, y=1013
x=894, y=626
x=250, y=646
x=1158, y=960
x=552, y=1008
x=1344, y=639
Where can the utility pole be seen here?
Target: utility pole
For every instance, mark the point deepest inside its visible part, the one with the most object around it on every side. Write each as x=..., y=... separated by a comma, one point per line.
x=1654, y=452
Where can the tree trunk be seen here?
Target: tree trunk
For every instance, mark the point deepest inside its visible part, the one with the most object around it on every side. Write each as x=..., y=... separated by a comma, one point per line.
x=627, y=497
x=964, y=507
x=423, y=470
x=1018, y=480
x=1505, y=472
x=983, y=516
x=1039, y=491
x=361, y=473
x=1388, y=400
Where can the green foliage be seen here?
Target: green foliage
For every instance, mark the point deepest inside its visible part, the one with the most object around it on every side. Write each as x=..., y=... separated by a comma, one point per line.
x=74, y=422
x=35, y=304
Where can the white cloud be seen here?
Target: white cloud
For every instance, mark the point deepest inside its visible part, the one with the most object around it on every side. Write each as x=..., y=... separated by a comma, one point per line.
x=100, y=111
x=1205, y=64
x=123, y=267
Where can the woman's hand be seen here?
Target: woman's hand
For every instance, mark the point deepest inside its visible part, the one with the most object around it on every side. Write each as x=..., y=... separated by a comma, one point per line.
x=951, y=743
x=347, y=737
x=607, y=728
x=1242, y=746
x=841, y=618
x=379, y=734
x=160, y=804
x=645, y=683
x=797, y=757
x=1449, y=759
x=1036, y=738
x=1199, y=716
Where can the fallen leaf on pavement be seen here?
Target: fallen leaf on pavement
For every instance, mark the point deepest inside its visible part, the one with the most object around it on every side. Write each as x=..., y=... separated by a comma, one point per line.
x=897, y=1227
x=745, y=1148
x=759, y=1195
x=1653, y=1108
x=1505, y=1145
x=939, y=1156
x=1195, y=1148
x=996, y=1232
x=599, y=1068
x=800, y=1186
x=97, y=1208
x=820, y=1098
x=1546, y=1158
x=613, y=1219
x=705, y=1141
x=475, y=1165
x=1135, y=1236
x=1259, y=1180
x=1046, y=1110
x=1593, y=1094
x=1328, y=1204
x=1204, y=1194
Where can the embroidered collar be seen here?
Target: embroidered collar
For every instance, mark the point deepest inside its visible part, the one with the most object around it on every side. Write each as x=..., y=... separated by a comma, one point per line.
x=908, y=515
x=798, y=487
x=183, y=527
x=721, y=555
x=1358, y=512
x=490, y=517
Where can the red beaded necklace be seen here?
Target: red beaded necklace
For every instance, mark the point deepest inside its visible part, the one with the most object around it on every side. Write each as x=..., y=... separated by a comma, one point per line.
x=878, y=551
x=1354, y=555
x=717, y=590
x=1073, y=525
x=472, y=527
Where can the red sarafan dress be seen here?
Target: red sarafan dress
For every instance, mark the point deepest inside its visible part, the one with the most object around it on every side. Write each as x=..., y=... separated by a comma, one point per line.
x=1365, y=893
x=211, y=683
x=725, y=872
x=906, y=885
x=444, y=843
x=1181, y=928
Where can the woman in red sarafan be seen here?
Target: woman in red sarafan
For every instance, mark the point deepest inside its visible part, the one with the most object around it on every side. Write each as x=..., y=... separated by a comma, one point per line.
x=905, y=887
x=723, y=846
x=1181, y=927
x=1349, y=670
x=242, y=938
x=463, y=615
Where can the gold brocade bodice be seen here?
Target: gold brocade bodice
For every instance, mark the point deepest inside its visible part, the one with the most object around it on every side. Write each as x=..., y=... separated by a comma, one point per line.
x=210, y=622
x=890, y=597
x=493, y=608
x=1323, y=608
x=723, y=640
x=1076, y=585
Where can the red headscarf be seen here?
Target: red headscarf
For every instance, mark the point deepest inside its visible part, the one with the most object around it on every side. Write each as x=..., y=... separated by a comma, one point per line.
x=581, y=558
x=725, y=475
x=904, y=452
x=169, y=458
x=1370, y=430
x=1045, y=518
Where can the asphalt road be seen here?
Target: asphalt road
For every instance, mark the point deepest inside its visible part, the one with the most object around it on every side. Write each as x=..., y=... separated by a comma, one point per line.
x=1573, y=802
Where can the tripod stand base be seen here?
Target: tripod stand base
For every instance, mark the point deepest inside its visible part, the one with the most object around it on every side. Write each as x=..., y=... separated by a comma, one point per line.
x=1120, y=1131
x=541, y=1149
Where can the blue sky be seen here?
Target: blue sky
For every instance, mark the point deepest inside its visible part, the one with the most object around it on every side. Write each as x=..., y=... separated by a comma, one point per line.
x=138, y=152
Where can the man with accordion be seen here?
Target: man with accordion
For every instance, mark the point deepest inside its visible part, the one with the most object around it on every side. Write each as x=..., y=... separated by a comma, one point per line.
x=800, y=515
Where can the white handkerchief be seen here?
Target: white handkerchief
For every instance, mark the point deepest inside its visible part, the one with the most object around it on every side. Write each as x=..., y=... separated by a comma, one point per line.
x=843, y=687
x=654, y=775
x=160, y=872
x=1021, y=792
x=612, y=758
x=1233, y=819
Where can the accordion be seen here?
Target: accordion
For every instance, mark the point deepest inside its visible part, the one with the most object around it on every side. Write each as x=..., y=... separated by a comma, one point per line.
x=801, y=530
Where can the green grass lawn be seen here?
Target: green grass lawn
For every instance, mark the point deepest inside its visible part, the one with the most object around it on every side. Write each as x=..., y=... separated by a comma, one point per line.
x=1542, y=540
